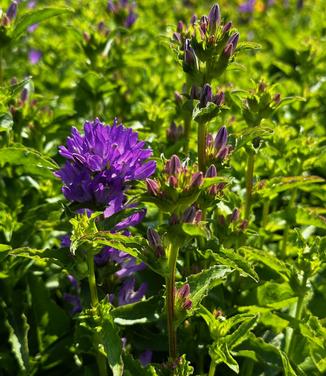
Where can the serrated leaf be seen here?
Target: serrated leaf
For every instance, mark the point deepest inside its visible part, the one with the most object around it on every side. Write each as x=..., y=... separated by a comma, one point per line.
x=310, y=217
x=195, y=229
x=205, y=114
x=272, y=294
x=269, y=260
x=142, y=312
x=221, y=354
x=36, y=16
x=31, y=161
x=270, y=188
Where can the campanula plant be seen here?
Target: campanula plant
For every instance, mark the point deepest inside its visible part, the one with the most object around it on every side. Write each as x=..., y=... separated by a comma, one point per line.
x=162, y=188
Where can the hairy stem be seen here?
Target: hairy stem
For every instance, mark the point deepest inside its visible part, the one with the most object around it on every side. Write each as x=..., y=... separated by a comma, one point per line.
x=170, y=300
x=298, y=313
x=212, y=368
x=265, y=212
x=287, y=226
x=187, y=128
x=100, y=359
x=249, y=183
x=201, y=146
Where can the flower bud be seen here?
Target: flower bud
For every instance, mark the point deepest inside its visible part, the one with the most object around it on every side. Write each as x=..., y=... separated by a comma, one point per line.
x=190, y=58
x=187, y=304
x=227, y=27
x=173, y=181
x=189, y=215
x=228, y=50
x=219, y=98
x=196, y=180
x=193, y=19
x=155, y=242
x=194, y=92
x=205, y=96
x=177, y=37
x=203, y=24
x=178, y=97
x=12, y=10
x=173, y=166
x=261, y=87
x=211, y=172
x=221, y=138
x=198, y=216
x=234, y=39
x=221, y=186
x=152, y=187
x=235, y=215
x=214, y=18
x=277, y=98
x=223, y=153
x=244, y=225
x=180, y=27
x=183, y=291
x=24, y=95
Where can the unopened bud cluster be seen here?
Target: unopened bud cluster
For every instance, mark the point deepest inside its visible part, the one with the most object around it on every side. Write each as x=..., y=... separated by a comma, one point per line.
x=206, y=43
x=123, y=12
x=11, y=13
x=183, y=301
x=217, y=150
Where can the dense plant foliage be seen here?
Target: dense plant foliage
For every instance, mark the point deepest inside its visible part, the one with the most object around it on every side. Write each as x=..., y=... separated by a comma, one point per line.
x=162, y=201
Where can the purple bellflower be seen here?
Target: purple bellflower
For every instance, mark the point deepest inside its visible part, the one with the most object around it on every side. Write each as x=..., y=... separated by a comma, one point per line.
x=102, y=162
x=34, y=56
x=128, y=294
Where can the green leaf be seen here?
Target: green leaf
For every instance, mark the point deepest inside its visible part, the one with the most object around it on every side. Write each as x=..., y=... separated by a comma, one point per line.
x=201, y=283
x=29, y=160
x=274, y=294
x=310, y=217
x=221, y=354
x=195, y=229
x=270, y=188
x=133, y=367
x=204, y=115
x=111, y=339
x=36, y=16
x=269, y=260
x=142, y=312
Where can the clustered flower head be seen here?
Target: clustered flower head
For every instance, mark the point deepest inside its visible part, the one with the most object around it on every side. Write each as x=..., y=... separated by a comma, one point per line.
x=176, y=175
x=102, y=162
x=123, y=11
x=205, y=96
x=217, y=150
x=206, y=39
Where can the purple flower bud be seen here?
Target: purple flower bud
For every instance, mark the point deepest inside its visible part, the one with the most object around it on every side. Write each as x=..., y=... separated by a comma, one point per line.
x=24, y=95
x=145, y=357
x=187, y=304
x=221, y=138
x=131, y=19
x=211, y=172
x=198, y=216
x=205, y=96
x=155, y=242
x=12, y=10
x=180, y=27
x=190, y=58
x=213, y=190
x=214, y=18
x=174, y=220
x=152, y=187
x=73, y=281
x=227, y=27
x=189, y=215
x=235, y=215
x=209, y=140
x=223, y=153
x=218, y=99
x=196, y=180
x=193, y=19
x=177, y=37
x=228, y=50
x=34, y=56
x=173, y=166
x=261, y=87
x=203, y=24
x=177, y=97
x=183, y=291
x=244, y=225
x=194, y=92
x=221, y=186
x=173, y=181
x=234, y=39
x=111, y=7
x=174, y=132
x=277, y=98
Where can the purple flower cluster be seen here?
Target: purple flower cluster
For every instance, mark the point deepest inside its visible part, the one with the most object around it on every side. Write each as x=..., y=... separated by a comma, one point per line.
x=101, y=163
x=100, y=166
x=123, y=9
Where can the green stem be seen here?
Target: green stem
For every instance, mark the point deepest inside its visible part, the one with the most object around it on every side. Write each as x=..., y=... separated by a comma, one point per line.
x=170, y=301
x=100, y=359
x=187, y=127
x=212, y=368
x=1, y=68
x=265, y=213
x=298, y=312
x=201, y=146
x=249, y=183
x=287, y=226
